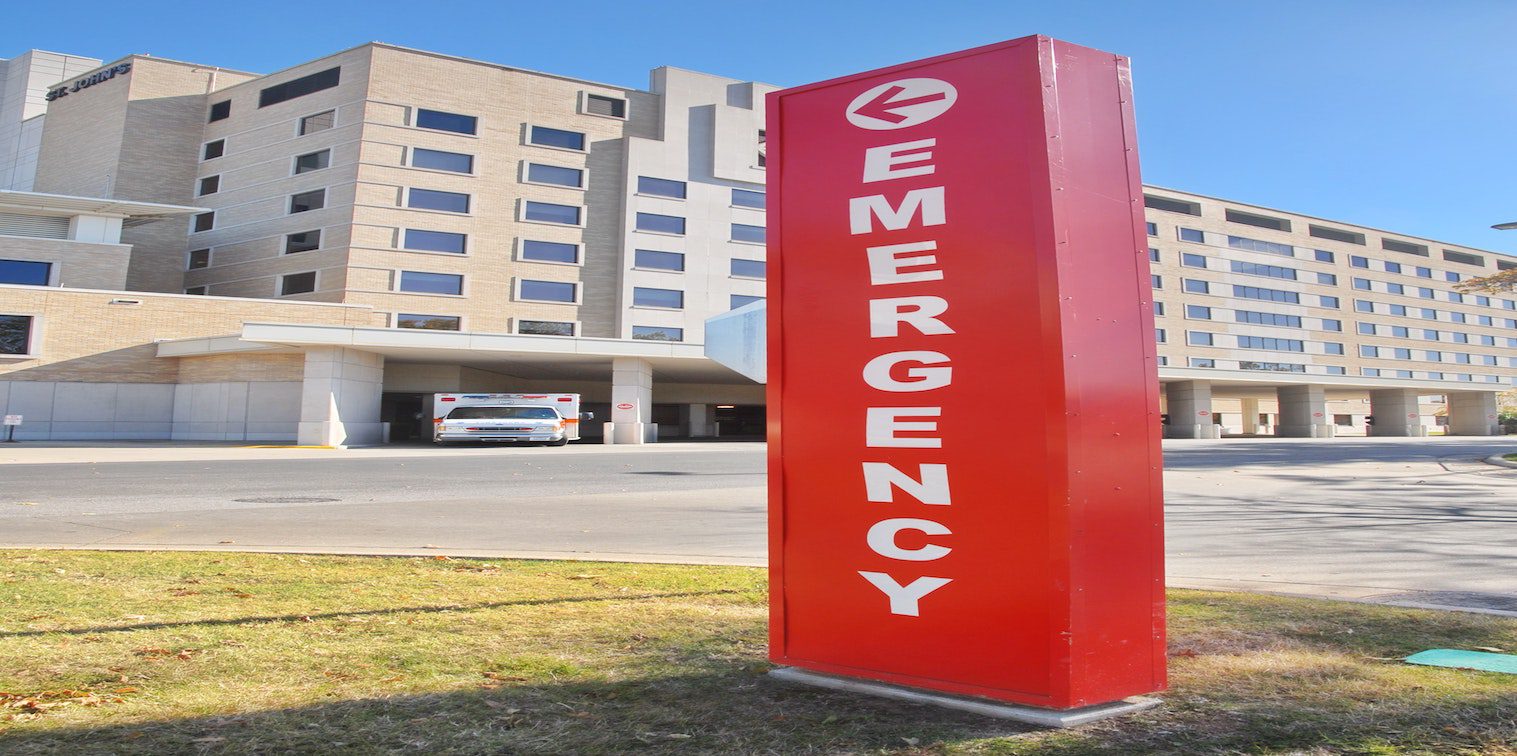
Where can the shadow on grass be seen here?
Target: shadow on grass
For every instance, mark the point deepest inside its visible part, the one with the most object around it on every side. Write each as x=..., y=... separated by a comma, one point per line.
x=734, y=709
x=364, y=613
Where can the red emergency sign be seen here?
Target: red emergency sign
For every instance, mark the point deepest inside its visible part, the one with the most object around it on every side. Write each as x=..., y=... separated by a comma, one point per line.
x=963, y=443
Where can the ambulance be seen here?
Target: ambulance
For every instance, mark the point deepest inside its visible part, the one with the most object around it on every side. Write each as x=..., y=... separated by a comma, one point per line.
x=552, y=419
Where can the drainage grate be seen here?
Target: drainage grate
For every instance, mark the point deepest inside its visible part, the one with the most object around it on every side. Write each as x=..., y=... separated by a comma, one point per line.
x=284, y=500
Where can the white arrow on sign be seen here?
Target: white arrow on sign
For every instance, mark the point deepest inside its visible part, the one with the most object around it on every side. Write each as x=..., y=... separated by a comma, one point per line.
x=901, y=103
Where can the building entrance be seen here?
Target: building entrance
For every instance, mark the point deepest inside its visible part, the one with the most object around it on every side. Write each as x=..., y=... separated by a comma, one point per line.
x=407, y=416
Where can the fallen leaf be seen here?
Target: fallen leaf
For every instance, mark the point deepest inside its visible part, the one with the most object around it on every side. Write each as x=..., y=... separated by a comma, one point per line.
x=226, y=541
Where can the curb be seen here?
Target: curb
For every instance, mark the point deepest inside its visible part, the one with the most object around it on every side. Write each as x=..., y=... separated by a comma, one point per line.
x=1495, y=459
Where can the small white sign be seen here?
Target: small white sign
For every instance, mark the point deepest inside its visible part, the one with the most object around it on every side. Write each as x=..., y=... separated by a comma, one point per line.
x=12, y=419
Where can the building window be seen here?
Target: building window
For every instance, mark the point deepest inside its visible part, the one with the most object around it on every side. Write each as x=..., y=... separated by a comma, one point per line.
x=431, y=199
x=1259, y=245
x=1262, y=221
x=318, y=122
x=658, y=187
x=299, y=87
x=658, y=333
x=1159, y=335
x=1332, y=325
x=1155, y=281
x=1355, y=261
x=1269, y=295
x=1153, y=228
x=1202, y=362
x=1332, y=347
x=1463, y=259
x=1255, y=269
x=547, y=212
x=1158, y=308
x=1192, y=235
x=1192, y=260
x=1197, y=312
x=651, y=259
x=601, y=105
x=428, y=322
x=435, y=241
x=197, y=259
x=742, y=232
x=297, y=283
x=1277, y=367
x=543, y=136
x=748, y=268
x=214, y=149
x=219, y=111
x=1331, y=302
x=1348, y=237
x=545, y=327
x=1324, y=255
x=1272, y=344
x=762, y=147
x=745, y=198
x=661, y=224
x=1196, y=287
x=15, y=334
x=557, y=175
x=1424, y=272
x=1362, y=284
x=1409, y=248
x=438, y=160
x=1327, y=279
x=1337, y=370
x=548, y=291
x=196, y=291
x=308, y=201
x=1367, y=350
x=25, y=272
x=1395, y=288
x=670, y=299
x=1153, y=254
x=740, y=300
x=204, y=221
x=1268, y=318
x=1398, y=309
x=1364, y=305
x=209, y=185
x=431, y=283
x=549, y=252
x=442, y=121
x=1198, y=338
x=303, y=241
x=1392, y=267
x=1171, y=205
x=313, y=161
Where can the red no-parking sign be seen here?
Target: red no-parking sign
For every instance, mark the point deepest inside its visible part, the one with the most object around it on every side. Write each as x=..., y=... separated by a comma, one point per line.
x=964, y=448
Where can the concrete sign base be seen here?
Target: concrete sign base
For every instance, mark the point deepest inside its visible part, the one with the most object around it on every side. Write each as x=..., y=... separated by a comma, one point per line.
x=1029, y=714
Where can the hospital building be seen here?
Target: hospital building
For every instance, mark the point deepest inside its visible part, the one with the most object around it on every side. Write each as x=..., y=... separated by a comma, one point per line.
x=198, y=253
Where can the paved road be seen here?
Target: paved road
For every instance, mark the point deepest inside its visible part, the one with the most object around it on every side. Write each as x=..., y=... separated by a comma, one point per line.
x=1413, y=520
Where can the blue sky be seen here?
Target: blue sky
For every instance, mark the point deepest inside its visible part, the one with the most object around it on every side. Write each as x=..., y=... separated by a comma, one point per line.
x=1389, y=113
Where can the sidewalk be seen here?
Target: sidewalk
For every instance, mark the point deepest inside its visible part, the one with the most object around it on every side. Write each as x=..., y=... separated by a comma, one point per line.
x=91, y=452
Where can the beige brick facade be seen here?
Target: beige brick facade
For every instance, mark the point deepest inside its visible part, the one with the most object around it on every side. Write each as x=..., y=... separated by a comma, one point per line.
x=79, y=265
x=109, y=336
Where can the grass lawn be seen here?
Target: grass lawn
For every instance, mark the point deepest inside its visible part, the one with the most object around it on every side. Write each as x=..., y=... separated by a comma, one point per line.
x=238, y=653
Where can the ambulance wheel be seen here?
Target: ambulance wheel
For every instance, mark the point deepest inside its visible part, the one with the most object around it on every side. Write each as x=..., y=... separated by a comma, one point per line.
x=559, y=442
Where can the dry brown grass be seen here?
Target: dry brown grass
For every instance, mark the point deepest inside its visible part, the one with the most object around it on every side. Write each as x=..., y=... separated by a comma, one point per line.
x=245, y=653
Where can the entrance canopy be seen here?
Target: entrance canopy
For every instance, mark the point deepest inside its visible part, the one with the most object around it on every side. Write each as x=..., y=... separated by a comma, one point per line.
x=534, y=357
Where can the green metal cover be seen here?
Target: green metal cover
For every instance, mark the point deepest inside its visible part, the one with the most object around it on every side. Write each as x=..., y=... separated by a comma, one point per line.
x=1481, y=660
